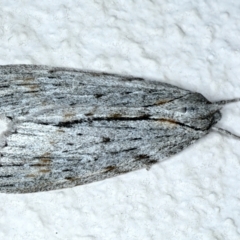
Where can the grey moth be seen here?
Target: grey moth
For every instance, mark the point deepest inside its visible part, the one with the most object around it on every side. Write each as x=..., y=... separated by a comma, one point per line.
x=67, y=127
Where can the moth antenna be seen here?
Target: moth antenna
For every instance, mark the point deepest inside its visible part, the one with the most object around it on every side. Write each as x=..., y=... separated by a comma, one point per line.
x=225, y=132
x=224, y=102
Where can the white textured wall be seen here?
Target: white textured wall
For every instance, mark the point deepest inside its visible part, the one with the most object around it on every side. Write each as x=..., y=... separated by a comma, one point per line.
x=192, y=44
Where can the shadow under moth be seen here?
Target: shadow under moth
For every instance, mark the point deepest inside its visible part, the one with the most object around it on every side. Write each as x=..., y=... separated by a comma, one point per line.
x=67, y=127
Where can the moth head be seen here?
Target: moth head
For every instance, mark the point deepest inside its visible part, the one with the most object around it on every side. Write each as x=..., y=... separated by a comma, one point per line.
x=199, y=113
x=195, y=111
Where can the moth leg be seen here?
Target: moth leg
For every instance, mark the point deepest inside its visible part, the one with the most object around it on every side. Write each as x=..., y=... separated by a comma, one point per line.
x=149, y=164
x=6, y=127
x=148, y=167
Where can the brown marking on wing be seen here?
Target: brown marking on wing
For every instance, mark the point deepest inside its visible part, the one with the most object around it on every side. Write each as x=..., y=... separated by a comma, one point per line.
x=34, y=88
x=162, y=101
x=31, y=175
x=52, y=142
x=29, y=78
x=71, y=178
x=69, y=115
x=115, y=115
x=96, y=74
x=89, y=114
x=44, y=161
x=45, y=158
x=171, y=122
x=141, y=157
x=44, y=171
x=109, y=168
x=60, y=130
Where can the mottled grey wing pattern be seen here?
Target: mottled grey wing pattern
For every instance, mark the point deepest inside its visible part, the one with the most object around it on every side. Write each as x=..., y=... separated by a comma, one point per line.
x=70, y=127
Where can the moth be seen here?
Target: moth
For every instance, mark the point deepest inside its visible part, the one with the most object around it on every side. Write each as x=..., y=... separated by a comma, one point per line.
x=67, y=127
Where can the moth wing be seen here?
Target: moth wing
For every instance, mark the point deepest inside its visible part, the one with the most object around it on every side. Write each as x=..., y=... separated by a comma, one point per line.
x=29, y=90
x=42, y=157
x=72, y=127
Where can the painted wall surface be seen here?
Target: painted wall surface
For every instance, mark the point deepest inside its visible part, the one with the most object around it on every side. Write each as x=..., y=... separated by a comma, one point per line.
x=191, y=44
